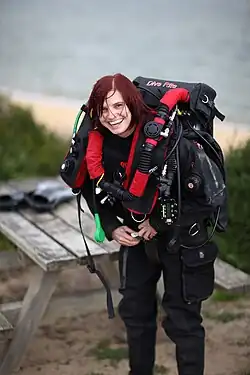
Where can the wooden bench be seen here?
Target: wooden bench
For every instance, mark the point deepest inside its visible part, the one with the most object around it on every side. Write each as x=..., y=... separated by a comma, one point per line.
x=53, y=242
x=6, y=332
x=5, y=327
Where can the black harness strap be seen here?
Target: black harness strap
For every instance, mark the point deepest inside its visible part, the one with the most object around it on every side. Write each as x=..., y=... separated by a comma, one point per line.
x=91, y=264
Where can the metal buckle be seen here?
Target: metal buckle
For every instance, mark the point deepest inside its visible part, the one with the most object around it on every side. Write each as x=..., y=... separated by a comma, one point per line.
x=138, y=221
x=192, y=234
x=206, y=100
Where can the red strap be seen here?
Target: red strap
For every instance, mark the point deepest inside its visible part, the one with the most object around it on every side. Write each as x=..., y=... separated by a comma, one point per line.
x=94, y=154
x=131, y=155
x=139, y=183
x=81, y=175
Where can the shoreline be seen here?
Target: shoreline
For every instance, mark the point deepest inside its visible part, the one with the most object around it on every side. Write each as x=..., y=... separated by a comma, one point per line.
x=58, y=115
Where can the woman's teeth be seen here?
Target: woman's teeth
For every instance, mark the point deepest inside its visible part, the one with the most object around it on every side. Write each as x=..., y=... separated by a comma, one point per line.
x=116, y=122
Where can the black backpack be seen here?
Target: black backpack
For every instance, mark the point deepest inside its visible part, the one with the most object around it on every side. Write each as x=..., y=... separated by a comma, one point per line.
x=198, y=123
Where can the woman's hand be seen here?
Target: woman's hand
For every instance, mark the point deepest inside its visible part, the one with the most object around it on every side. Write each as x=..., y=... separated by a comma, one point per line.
x=122, y=235
x=146, y=231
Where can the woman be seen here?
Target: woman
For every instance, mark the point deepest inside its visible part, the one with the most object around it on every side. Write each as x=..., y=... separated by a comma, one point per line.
x=117, y=109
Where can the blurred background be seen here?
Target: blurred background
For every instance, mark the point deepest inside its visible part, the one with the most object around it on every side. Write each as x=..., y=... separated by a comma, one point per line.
x=59, y=48
x=51, y=54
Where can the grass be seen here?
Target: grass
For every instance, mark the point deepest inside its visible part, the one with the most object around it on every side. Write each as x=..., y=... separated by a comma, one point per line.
x=5, y=244
x=223, y=316
x=104, y=351
x=244, y=342
x=224, y=296
x=27, y=149
x=160, y=369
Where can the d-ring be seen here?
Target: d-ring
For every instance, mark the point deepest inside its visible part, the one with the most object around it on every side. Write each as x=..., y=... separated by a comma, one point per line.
x=76, y=191
x=138, y=221
x=193, y=231
x=206, y=99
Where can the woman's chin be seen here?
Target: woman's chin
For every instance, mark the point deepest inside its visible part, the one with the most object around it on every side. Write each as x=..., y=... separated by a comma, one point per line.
x=117, y=130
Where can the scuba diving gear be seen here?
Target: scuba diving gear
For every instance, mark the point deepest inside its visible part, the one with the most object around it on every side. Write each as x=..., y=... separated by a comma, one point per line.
x=182, y=113
x=190, y=97
x=46, y=196
x=154, y=133
x=201, y=101
x=196, y=106
x=12, y=201
x=73, y=170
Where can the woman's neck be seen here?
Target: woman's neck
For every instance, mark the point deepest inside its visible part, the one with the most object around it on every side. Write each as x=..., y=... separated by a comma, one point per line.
x=128, y=132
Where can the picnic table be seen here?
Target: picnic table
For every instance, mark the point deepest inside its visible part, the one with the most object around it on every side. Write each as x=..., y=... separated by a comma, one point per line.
x=53, y=242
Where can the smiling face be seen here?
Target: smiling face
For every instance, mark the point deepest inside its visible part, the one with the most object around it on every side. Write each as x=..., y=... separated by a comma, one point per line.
x=116, y=116
x=117, y=105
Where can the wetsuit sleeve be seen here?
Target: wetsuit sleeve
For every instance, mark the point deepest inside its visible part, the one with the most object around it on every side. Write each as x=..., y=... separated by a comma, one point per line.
x=108, y=217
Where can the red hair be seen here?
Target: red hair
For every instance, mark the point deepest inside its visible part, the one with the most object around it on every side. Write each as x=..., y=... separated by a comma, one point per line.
x=131, y=96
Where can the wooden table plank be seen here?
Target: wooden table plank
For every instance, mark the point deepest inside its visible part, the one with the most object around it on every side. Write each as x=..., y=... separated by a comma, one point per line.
x=48, y=254
x=84, y=206
x=68, y=213
x=70, y=218
x=4, y=324
x=230, y=278
x=65, y=235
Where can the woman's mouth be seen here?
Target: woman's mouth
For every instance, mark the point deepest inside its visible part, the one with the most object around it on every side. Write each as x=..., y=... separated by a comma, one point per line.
x=115, y=122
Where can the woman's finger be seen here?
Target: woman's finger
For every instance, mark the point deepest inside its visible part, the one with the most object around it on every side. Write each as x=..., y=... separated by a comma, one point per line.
x=124, y=242
x=127, y=240
x=147, y=235
x=144, y=224
x=142, y=232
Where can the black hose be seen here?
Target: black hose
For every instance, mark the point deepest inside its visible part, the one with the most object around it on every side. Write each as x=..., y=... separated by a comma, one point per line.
x=173, y=244
x=211, y=147
x=145, y=158
x=116, y=191
x=180, y=128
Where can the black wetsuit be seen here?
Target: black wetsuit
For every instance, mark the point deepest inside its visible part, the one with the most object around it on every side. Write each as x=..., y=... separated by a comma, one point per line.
x=188, y=279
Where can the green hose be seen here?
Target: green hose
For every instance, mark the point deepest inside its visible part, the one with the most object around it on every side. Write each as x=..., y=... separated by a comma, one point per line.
x=99, y=235
x=76, y=122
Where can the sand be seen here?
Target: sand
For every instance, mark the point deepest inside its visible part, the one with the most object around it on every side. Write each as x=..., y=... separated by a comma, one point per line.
x=75, y=340
x=71, y=340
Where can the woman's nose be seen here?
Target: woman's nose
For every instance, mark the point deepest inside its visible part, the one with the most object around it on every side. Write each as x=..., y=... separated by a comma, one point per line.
x=111, y=115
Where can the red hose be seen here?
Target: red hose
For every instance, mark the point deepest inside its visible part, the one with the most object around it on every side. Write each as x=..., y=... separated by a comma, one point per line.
x=172, y=97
